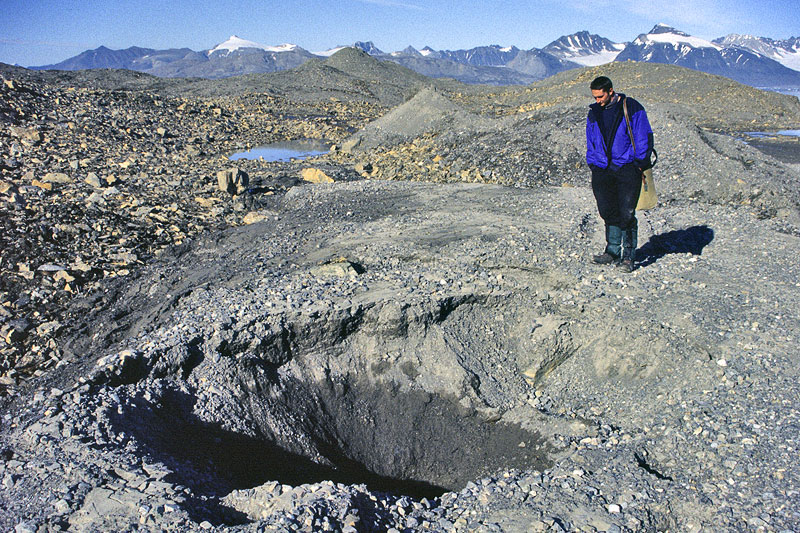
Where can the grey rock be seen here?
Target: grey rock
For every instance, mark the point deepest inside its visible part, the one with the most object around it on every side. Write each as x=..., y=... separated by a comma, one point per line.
x=233, y=181
x=25, y=527
x=56, y=177
x=93, y=180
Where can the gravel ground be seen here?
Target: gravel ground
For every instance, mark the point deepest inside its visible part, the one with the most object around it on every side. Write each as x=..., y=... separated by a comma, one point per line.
x=661, y=400
x=374, y=355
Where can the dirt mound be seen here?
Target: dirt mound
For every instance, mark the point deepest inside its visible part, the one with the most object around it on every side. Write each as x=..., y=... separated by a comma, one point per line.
x=528, y=137
x=429, y=111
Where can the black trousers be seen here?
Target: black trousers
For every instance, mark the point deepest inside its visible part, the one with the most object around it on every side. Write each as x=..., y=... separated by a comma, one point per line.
x=617, y=193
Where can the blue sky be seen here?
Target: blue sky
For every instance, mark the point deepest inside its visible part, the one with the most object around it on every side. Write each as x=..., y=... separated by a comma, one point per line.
x=37, y=32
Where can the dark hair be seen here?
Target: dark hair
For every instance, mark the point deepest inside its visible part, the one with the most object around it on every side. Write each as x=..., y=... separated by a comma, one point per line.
x=601, y=83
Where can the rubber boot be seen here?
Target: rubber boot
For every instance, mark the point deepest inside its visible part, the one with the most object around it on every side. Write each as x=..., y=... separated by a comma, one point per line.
x=630, y=238
x=613, y=247
x=614, y=240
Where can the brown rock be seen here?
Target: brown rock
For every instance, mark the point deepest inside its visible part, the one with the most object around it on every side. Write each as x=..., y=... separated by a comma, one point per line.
x=339, y=267
x=348, y=146
x=314, y=175
x=12, y=334
x=253, y=217
x=25, y=271
x=63, y=275
x=205, y=202
x=193, y=151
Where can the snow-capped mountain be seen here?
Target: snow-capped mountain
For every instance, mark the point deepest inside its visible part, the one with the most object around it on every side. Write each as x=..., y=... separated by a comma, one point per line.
x=103, y=57
x=232, y=57
x=585, y=49
x=493, y=64
x=235, y=43
x=408, y=51
x=365, y=46
x=481, y=56
x=330, y=51
x=786, y=52
x=664, y=44
x=369, y=47
x=484, y=64
x=428, y=51
x=752, y=60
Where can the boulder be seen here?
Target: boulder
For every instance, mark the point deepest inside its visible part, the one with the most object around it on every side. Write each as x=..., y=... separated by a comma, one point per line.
x=253, y=217
x=315, y=175
x=232, y=180
x=339, y=267
x=193, y=151
x=365, y=169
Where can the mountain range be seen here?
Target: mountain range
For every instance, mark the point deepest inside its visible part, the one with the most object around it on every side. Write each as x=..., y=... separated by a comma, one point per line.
x=756, y=61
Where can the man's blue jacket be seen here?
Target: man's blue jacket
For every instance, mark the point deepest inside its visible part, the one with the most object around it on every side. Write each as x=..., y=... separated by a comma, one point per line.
x=621, y=151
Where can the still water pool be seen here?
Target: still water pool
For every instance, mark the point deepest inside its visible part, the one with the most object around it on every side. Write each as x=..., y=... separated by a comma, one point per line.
x=285, y=150
x=785, y=133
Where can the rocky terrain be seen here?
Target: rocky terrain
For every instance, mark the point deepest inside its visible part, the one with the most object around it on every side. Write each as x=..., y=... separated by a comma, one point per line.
x=416, y=342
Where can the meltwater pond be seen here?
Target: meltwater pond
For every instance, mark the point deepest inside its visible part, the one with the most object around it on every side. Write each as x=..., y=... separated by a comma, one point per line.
x=285, y=150
x=781, y=133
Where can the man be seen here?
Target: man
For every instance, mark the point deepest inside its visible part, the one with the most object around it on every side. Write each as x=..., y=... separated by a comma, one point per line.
x=617, y=168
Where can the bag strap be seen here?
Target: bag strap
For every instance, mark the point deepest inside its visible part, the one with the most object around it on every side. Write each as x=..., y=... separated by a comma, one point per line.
x=630, y=133
x=628, y=123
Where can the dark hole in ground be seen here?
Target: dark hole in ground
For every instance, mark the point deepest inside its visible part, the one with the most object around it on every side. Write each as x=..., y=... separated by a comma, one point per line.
x=213, y=461
x=413, y=444
x=411, y=435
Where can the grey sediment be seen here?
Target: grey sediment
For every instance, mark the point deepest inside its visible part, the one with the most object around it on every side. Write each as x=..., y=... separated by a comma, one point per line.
x=420, y=342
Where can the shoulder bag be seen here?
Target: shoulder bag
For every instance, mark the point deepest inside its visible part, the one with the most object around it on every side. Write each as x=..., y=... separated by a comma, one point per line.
x=647, y=197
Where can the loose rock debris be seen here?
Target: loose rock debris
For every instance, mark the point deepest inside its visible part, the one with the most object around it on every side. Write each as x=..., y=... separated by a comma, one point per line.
x=386, y=355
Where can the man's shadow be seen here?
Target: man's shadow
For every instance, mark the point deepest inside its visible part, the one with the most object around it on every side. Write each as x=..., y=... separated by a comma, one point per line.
x=690, y=240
